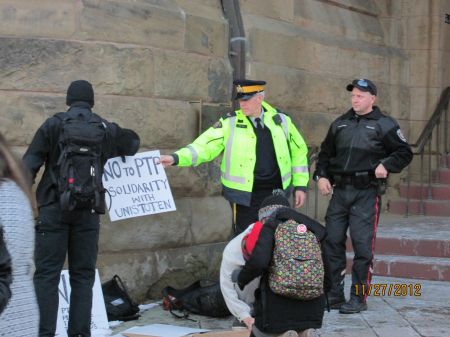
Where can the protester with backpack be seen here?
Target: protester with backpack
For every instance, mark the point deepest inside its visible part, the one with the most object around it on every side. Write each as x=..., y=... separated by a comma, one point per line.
x=287, y=252
x=74, y=147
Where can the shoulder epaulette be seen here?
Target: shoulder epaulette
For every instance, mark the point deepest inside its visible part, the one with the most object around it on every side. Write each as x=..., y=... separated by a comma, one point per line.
x=228, y=114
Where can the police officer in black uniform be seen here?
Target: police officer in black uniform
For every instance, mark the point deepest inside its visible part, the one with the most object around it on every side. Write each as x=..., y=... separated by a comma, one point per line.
x=74, y=233
x=361, y=148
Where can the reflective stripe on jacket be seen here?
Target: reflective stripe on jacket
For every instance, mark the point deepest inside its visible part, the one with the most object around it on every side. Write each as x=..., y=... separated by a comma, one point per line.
x=234, y=136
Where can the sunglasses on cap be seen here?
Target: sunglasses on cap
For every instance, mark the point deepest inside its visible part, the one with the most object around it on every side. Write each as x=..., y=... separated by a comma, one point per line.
x=363, y=83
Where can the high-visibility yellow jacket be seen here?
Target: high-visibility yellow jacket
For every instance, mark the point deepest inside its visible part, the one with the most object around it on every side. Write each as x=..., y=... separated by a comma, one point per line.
x=234, y=136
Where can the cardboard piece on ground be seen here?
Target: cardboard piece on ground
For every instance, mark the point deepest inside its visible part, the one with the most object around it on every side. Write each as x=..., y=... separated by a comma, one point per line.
x=160, y=330
x=228, y=333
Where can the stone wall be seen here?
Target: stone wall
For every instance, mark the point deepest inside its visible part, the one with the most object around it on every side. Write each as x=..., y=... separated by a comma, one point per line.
x=149, y=60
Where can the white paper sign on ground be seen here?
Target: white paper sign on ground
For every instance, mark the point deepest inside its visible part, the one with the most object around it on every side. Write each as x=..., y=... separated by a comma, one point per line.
x=99, y=321
x=137, y=186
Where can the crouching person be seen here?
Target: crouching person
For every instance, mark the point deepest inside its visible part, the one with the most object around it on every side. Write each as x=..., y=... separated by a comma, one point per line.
x=285, y=250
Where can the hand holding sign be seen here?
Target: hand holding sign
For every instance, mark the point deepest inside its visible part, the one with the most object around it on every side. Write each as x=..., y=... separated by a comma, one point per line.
x=136, y=187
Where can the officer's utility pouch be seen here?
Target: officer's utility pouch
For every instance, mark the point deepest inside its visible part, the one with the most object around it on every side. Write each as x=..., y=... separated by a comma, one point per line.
x=362, y=180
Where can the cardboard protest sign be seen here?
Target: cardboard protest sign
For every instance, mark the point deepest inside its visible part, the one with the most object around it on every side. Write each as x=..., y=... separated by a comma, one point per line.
x=137, y=186
x=99, y=319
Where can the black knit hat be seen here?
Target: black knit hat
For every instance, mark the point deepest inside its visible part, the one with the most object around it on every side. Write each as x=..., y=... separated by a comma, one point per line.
x=271, y=203
x=80, y=90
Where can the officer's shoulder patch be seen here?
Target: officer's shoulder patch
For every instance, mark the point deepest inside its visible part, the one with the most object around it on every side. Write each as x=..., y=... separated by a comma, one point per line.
x=277, y=119
x=228, y=114
x=400, y=135
x=217, y=125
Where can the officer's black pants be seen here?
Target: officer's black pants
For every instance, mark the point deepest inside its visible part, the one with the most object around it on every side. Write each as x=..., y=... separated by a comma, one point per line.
x=244, y=216
x=358, y=209
x=59, y=233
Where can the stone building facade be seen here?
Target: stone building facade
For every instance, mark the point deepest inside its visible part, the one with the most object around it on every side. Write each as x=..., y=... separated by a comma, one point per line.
x=152, y=61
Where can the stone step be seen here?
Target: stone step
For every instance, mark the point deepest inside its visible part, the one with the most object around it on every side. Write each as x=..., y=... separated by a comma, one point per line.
x=415, y=267
x=442, y=176
x=445, y=161
x=410, y=246
x=430, y=207
x=436, y=191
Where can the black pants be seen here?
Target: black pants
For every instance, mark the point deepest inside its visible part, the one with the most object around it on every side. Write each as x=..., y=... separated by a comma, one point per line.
x=59, y=233
x=358, y=209
x=244, y=216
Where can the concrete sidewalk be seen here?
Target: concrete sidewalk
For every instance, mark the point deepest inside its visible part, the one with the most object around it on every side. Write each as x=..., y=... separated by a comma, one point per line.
x=427, y=315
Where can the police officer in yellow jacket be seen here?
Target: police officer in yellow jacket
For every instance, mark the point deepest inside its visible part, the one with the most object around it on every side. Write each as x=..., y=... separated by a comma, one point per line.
x=262, y=151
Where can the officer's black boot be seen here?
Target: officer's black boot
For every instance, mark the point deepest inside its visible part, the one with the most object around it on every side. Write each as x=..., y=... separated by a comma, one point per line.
x=336, y=296
x=354, y=305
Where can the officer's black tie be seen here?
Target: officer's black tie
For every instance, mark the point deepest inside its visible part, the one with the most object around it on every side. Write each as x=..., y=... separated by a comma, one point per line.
x=258, y=123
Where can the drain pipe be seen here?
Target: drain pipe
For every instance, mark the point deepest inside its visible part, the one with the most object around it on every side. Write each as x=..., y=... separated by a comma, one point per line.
x=232, y=13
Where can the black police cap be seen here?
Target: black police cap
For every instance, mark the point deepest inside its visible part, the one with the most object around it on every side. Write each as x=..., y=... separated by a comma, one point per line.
x=363, y=85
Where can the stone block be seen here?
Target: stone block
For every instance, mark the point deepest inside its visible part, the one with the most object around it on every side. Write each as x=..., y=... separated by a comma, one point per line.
x=388, y=8
x=314, y=126
x=21, y=115
x=416, y=8
x=160, y=123
x=188, y=76
x=279, y=10
x=146, y=273
x=445, y=69
x=346, y=19
x=211, y=220
x=155, y=23
x=394, y=101
x=423, y=102
x=425, y=69
x=43, y=18
x=422, y=32
x=296, y=90
x=49, y=66
x=200, y=181
x=206, y=36
x=196, y=221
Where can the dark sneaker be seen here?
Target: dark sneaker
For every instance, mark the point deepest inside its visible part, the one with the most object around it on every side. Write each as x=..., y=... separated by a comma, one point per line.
x=335, y=299
x=353, y=306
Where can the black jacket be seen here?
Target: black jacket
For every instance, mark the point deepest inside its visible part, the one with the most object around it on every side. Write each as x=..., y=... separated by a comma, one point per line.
x=5, y=273
x=45, y=149
x=275, y=313
x=359, y=143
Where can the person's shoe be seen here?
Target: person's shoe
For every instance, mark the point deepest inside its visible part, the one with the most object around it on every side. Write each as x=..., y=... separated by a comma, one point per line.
x=353, y=306
x=336, y=299
x=289, y=333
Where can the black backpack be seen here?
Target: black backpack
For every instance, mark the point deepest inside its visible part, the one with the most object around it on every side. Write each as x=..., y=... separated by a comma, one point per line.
x=119, y=305
x=206, y=300
x=81, y=163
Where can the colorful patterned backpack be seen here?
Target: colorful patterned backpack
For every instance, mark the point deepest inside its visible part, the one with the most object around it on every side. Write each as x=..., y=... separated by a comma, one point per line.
x=296, y=269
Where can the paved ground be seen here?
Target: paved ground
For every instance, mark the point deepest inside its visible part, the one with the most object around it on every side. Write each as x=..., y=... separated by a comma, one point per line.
x=394, y=315
x=427, y=315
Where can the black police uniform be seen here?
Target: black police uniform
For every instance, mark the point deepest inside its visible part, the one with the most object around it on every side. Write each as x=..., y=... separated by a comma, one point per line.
x=354, y=146
x=74, y=233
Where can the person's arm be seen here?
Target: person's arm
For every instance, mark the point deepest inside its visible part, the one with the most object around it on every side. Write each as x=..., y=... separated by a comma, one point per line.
x=238, y=308
x=261, y=255
x=299, y=163
x=5, y=273
x=38, y=151
x=327, y=151
x=204, y=149
x=126, y=142
x=398, y=150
